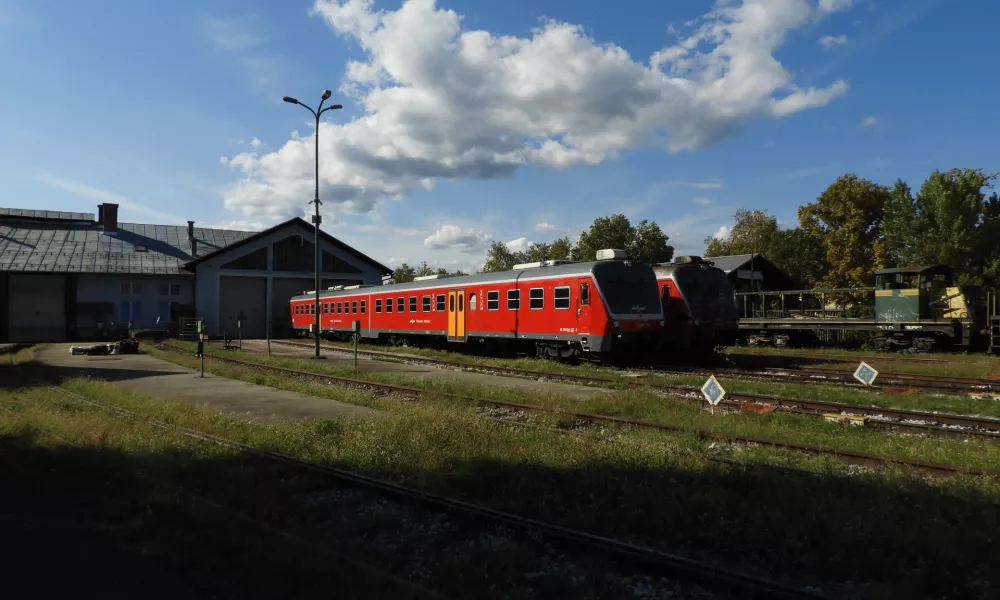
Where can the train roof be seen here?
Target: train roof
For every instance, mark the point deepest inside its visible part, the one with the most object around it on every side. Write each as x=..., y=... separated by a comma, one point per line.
x=556, y=270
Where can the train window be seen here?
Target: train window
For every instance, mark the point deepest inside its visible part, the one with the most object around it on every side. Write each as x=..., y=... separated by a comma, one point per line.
x=584, y=293
x=561, y=297
x=295, y=309
x=413, y=304
x=401, y=304
x=354, y=307
x=451, y=303
x=493, y=300
x=426, y=304
x=363, y=303
x=513, y=299
x=378, y=305
x=340, y=307
x=440, y=302
x=472, y=302
x=461, y=302
x=536, y=298
x=388, y=305
x=326, y=308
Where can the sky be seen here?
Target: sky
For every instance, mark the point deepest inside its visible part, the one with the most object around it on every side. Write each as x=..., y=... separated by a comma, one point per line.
x=467, y=121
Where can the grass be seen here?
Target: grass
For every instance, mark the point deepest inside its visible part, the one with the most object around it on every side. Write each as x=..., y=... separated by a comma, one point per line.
x=872, y=533
x=637, y=404
x=977, y=365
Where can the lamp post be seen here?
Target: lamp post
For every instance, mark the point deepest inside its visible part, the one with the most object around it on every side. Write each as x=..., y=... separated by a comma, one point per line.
x=317, y=219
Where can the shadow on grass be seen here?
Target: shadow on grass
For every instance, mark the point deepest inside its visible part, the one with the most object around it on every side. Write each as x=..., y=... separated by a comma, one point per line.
x=88, y=523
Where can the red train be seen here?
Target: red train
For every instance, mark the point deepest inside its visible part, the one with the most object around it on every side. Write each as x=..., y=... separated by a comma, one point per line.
x=551, y=309
x=699, y=306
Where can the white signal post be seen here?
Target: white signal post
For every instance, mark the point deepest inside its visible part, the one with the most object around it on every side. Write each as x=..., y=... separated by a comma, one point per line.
x=866, y=374
x=713, y=392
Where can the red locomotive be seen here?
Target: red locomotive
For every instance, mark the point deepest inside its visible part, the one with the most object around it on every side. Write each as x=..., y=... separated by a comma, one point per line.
x=699, y=305
x=550, y=309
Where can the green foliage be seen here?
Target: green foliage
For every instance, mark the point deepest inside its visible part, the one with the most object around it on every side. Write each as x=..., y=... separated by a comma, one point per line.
x=645, y=243
x=799, y=254
x=847, y=220
x=500, y=258
x=405, y=273
x=752, y=233
x=950, y=221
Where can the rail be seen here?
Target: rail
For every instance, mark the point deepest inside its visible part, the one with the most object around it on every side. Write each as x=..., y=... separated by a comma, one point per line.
x=987, y=428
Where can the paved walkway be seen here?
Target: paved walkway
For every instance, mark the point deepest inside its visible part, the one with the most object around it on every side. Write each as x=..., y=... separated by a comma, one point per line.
x=370, y=365
x=159, y=378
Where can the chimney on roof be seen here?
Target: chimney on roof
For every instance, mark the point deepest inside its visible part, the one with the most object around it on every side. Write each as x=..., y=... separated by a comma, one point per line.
x=107, y=217
x=191, y=240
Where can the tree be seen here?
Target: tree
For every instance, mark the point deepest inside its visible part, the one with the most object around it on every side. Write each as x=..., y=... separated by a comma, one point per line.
x=950, y=221
x=644, y=243
x=500, y=258
x=752, y=233
x=423, y=270
x=846, y=220
x=799, y=255
x=404, y=273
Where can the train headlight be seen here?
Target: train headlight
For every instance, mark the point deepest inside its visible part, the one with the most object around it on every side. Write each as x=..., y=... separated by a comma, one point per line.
x=662, y=323
x=616, y=324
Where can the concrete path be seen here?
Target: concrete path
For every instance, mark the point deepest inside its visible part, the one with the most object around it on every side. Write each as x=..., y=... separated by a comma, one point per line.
x=159, y=378
x=370, y=365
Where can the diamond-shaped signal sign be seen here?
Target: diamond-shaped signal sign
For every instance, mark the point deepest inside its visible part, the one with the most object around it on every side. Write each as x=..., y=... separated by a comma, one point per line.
x=713, y=391
x=865, y=373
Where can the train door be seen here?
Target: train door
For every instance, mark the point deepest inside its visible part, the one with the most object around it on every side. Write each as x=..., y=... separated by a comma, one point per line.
x=585, y=290
x=456, y=315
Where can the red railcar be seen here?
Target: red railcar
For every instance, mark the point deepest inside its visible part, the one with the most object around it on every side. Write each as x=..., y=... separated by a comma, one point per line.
x=553, y=309
x=699, y=306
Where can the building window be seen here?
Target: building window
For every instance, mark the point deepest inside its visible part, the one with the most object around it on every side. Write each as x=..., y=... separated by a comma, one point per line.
x=401, y=304
x=175, y=289
x=136, y=288
x=388, y=305
x=584, y=293
x=536, y=298
x=426, y=305
x=164, y=289
x=294, y=253
x=493, y=300
x=254, y=261
x=354, y=307
x=164, y=315
x=439, y=303
x=472, y=301
x=413, y=304
x=513, y=299
x=378, y=305
x=363, y=302
x=561, y=297
x=332, y=264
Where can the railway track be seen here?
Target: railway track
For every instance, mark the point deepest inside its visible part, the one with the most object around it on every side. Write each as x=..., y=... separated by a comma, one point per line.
x=649, y=559
x=903, y=420
x=839, y=357
x=860, y=458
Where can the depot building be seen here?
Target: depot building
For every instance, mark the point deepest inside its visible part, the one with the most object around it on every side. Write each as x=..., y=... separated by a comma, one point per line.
x=74, y=276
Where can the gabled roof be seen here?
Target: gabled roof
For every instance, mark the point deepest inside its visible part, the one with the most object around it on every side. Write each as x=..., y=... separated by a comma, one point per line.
x=41, y=241
x=734, y=262
x=295, y=222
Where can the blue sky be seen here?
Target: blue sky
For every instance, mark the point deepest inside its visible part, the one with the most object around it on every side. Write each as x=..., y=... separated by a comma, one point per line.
x=470, y=121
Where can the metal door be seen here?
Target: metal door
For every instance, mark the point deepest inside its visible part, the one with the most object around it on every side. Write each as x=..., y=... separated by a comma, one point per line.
x=584, y=297
x=456, y=314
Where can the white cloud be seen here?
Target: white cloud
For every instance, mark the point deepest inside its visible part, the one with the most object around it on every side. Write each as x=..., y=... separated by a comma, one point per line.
x=239, y=225
x=519, y=245
x=238, y=37
x=543, y=226
x=702, y=201
x=722, y=233
x=869, y=122
x=700, y=185
x=99, y=195
x=466, y=239
x=829, y=41
x=255, y=143
x=440, y=101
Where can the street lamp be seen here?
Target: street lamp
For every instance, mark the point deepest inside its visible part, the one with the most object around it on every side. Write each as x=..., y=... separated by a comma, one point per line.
x=317, y=219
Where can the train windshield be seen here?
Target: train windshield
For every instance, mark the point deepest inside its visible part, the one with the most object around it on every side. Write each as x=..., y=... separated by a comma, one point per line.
x=705, y=287
x=628, y=289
